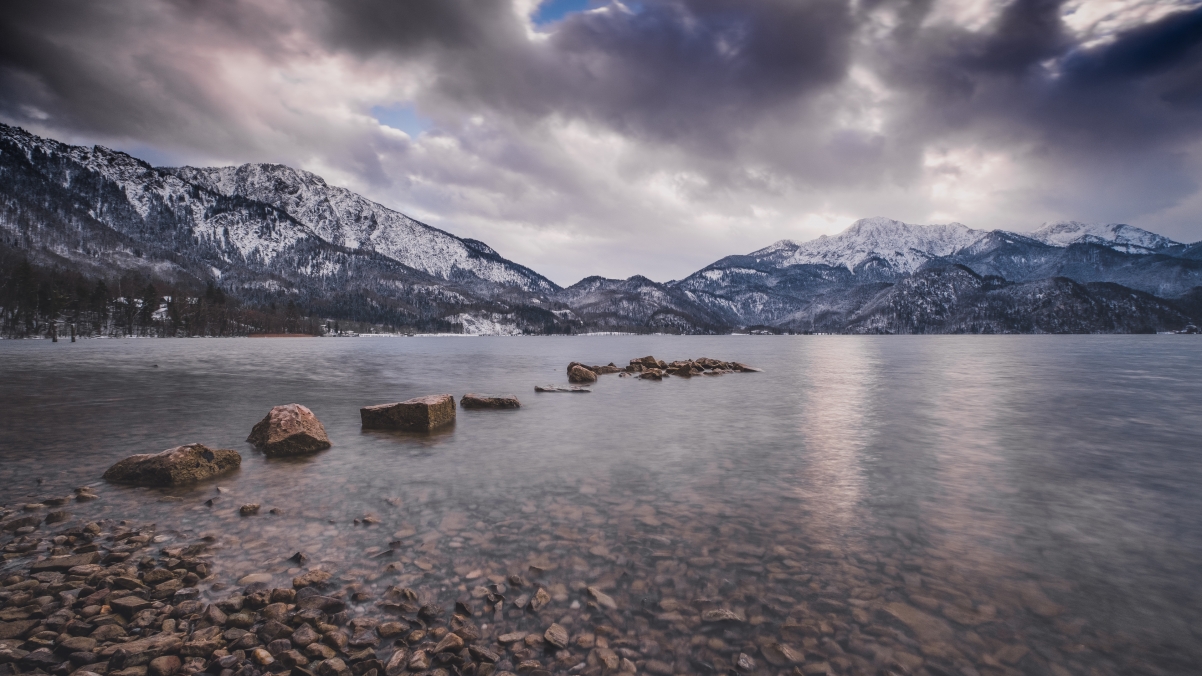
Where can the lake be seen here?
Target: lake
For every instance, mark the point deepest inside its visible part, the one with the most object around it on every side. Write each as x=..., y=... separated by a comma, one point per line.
x=953, y=504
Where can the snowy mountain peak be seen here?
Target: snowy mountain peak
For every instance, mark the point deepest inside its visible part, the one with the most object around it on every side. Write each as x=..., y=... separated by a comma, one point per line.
x=1118, y=236
x=348, y=219
x=904, y=246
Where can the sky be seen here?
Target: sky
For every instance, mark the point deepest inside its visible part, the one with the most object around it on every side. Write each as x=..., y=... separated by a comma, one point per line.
x=653, y=137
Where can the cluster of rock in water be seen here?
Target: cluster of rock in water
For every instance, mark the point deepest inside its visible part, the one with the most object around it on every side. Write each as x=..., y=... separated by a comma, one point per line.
x=602, y=583
x=289, y=430
x=650, y=368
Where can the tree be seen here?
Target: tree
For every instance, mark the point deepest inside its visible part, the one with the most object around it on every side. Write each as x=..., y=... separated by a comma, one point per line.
x=150, y=305
x=99, y=305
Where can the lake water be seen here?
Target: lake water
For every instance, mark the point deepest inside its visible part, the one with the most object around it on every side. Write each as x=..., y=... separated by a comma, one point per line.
x=974, y=505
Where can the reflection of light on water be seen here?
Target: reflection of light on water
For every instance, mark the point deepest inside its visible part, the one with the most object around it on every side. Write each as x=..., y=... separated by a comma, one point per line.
x=836, y=413
x=966, y=394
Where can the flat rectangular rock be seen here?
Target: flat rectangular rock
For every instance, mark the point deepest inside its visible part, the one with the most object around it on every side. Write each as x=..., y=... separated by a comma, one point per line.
x=473, y=400
x=420, y=414
x=65, y=563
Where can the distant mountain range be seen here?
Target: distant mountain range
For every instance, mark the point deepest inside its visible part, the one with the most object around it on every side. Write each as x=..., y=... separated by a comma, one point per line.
x=267, y=234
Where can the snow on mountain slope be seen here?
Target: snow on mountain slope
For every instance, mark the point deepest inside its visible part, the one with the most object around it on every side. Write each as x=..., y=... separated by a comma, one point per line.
x=903, y=245
x=1117, y=236
x=348, y=219
x=159, y=197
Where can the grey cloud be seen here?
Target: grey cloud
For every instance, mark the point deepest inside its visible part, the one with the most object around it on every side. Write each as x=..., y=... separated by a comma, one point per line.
x=749, y=100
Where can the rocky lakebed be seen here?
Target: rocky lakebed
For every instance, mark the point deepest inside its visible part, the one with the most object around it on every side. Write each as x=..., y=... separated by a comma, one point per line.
x=593, y=578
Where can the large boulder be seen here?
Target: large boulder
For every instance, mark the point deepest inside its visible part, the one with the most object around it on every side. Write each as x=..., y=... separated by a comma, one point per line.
x=420, y=414
x=579, y=373
x=290, y=429
x=174, y=466
x=472, y=400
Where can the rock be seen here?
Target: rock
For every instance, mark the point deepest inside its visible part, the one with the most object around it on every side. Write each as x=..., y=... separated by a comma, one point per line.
x=174, y=466
x=292, y=658
x=779, y=654
x=420, y=414
x=164, y=666
x=420, y=661
x=397, y=662
x=16, y=629
x=58, y=517
x=128, y=605
x=262, y=657
x=928, y=629
x=720, y=615
x=451, y=642
x=290, y=429
x=652, y=374
x=78, y=644
x=472, y=400
x=512, y=637
x=64, y=563
x=556, y=635
x=303, y=636
x=325, y=604
x=249, y=510
x=142, y=651
x=608, y=658
x=604, y=600
x=313, y=578
x=254, y=578
x=744, y=663
x=20, y=522
x=157, y=576
x=541, y=598
x=560, y=388
x=577, y=373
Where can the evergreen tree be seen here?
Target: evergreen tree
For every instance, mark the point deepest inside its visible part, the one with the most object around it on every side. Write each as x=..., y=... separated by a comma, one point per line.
x=150, y=305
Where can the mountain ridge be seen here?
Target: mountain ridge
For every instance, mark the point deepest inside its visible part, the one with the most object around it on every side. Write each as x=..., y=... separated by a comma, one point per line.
x=268, y=234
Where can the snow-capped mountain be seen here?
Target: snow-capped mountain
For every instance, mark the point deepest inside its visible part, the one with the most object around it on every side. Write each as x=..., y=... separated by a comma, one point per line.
x=1117, y=236
x=348, y=219
x=108, y=215
x=269, y=235
x=903, y=246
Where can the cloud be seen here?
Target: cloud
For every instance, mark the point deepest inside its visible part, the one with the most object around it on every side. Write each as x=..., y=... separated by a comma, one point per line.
x=648, y=137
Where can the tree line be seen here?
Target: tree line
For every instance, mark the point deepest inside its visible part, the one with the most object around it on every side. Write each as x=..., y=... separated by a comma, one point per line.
x=37, y=301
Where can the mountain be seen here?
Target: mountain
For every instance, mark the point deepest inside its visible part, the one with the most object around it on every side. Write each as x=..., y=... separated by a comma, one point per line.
x=639, y=304
x=901, y=246
x=99, y=239
x=1117, y=236
x=822, y=284
x=264, y=234
x=347, y=219
x=954, y=299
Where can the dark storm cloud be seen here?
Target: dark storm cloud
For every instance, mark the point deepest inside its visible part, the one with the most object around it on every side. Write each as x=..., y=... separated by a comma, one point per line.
x=687, y=71
x=802, y=105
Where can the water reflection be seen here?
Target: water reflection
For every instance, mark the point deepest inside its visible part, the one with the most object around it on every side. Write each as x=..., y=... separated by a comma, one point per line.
x=1003, y=505
x=837, y=408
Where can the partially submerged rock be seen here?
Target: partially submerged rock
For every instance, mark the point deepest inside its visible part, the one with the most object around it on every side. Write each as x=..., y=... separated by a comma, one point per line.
x=578, y=373
x=290, y=429
x=560, y=388
x=174, y=466
x=472, y=400
x=420, y=414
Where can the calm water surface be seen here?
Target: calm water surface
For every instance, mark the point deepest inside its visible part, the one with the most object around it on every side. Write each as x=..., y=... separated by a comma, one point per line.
x=985, y=505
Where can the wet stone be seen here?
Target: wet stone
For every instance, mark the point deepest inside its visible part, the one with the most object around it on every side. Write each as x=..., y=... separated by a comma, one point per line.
x=175, y=466
x=479, y=401
x=289, y=430
x=419, y=414
x=557, y=636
